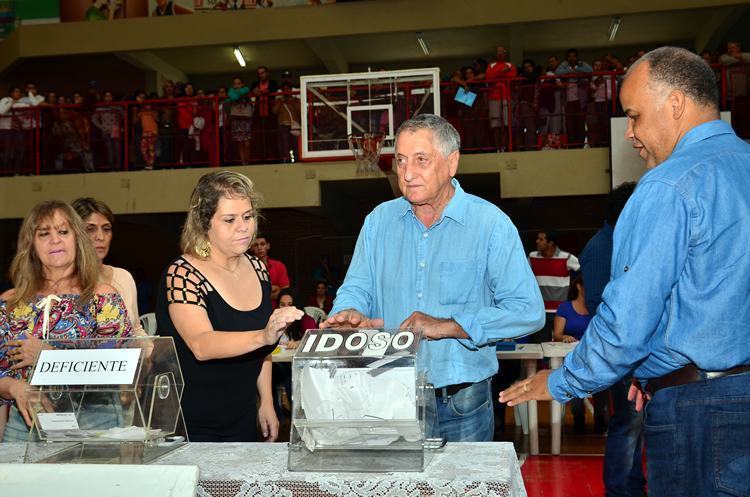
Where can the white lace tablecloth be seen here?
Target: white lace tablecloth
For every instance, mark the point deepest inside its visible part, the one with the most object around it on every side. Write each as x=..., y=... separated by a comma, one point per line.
x=256, y=469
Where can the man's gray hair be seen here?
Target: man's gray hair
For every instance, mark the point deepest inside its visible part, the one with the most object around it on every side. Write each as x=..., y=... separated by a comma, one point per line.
x=446, y=137
x=680, y=69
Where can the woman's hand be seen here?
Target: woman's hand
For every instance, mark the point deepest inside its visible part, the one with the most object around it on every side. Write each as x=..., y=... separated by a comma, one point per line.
x=292, y=344
x=23, y=352
x=17, y=391
x=269, y=423
x=280, y=321
x=569, y=339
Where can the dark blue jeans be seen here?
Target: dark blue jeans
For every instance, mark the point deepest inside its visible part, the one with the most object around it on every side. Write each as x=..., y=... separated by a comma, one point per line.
x=623, y=459
x=698, y=439
x=468, y=415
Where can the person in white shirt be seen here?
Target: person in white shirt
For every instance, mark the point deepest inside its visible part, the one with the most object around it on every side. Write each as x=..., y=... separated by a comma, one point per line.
x=12, y=147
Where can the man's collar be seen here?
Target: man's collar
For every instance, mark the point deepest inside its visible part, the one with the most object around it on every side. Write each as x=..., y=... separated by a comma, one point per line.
x=703, y=131
x=456, y=208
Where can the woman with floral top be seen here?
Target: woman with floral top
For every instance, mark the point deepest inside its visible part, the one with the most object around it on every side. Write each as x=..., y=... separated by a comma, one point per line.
x=57, y=296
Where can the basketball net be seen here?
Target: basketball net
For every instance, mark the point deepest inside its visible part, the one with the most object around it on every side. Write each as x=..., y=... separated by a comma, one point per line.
x=366, y=149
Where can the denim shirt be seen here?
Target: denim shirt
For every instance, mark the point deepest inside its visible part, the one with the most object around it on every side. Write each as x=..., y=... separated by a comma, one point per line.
x=469, y=266
x=680, y=277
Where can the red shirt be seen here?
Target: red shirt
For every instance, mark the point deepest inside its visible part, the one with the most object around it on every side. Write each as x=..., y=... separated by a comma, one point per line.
x=327, y=305
x=496, y=70
x=277, y=272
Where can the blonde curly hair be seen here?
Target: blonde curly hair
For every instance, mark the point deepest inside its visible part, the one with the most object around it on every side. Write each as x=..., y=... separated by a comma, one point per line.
x=203, y=202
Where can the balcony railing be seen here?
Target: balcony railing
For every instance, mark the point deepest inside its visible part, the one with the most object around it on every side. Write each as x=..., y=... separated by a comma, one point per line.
x=570, y=111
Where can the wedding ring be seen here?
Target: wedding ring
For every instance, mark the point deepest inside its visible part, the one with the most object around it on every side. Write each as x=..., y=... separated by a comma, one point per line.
x=525, y=389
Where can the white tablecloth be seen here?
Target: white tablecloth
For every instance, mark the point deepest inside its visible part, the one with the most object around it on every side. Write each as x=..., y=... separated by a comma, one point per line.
x=256, y=469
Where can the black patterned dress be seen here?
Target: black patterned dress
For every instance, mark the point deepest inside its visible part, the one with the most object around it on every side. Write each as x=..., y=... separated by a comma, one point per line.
x=219, y=401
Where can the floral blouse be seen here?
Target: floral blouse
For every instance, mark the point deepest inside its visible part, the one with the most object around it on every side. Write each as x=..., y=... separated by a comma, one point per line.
x=104, y=317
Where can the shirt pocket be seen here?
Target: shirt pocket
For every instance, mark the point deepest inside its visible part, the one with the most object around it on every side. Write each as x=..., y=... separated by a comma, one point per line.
x=458, y=282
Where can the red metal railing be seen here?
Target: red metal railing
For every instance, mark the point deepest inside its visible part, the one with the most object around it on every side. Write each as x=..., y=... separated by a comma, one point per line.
x=531, y=114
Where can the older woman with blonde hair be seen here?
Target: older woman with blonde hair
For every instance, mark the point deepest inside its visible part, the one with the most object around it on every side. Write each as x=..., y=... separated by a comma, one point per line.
x=57, y=295
x=99, y=221
x=215, y=300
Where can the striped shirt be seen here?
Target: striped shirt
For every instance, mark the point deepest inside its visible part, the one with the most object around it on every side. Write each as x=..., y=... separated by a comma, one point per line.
x=553, y=276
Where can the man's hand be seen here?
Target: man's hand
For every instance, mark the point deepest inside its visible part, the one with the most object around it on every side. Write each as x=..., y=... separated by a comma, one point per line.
x=351, y=318
x=534, y=388
x=638, y=395
x=433, y=328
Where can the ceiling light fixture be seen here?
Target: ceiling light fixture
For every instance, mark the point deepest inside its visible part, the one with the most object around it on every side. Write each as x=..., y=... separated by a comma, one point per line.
x=423, y=43
x=240, y=58
x=614, y=25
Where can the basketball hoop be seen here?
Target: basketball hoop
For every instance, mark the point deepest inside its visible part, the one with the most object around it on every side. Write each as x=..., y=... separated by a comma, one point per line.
x=366, y=149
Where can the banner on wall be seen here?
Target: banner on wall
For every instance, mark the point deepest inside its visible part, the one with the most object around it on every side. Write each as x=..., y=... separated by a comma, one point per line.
x=101, y=10
x=176, y=7
x=107, y=10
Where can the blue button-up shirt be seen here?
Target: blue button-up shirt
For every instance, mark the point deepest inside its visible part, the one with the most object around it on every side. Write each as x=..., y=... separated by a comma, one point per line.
x=680, y=277
x=469, y=266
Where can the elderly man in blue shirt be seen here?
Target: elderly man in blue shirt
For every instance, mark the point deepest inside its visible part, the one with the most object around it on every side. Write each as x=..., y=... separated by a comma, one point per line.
x=446, y=262
x=676, y=311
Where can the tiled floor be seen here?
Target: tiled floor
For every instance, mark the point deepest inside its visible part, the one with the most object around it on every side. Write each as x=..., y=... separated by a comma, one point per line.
x=563, y=476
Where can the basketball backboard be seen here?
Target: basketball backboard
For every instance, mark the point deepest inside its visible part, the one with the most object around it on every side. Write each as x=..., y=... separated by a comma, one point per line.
x=337, y=105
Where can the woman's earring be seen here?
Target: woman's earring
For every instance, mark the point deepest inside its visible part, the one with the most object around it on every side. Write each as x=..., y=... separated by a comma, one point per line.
x=203, y=249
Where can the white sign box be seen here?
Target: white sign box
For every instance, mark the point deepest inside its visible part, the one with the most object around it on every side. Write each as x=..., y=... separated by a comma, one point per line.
x=357, y=343
x=86, y=367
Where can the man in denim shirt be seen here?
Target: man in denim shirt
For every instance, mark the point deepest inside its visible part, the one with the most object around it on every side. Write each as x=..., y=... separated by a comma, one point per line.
x=676, y=310
x=448, y=263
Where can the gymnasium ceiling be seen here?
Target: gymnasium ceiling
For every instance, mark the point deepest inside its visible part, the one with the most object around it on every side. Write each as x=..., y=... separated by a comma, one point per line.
x=352, y=36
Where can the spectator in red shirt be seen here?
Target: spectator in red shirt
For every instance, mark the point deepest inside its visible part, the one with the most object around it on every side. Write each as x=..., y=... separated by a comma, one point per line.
x=186, y=111
x=276, y=269
x=499, y=97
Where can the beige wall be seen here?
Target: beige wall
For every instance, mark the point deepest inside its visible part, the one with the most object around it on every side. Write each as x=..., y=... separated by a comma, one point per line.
x=523, y=174
x=355, y=18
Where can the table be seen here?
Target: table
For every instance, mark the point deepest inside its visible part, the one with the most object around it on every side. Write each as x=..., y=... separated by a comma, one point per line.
x=528, y=353
x=556, y=352
x=243, y=469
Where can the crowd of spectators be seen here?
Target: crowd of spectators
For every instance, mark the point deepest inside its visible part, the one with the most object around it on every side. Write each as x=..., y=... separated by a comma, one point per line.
x=557, y=104
x=563, y=103
x=184, y=125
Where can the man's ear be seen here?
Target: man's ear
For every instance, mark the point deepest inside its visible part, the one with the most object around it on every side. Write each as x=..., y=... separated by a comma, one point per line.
x=677, y=102
x=453, y=160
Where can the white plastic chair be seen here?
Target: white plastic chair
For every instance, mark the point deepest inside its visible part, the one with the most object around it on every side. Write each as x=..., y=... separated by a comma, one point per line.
x=148, y=321
x=316, y=313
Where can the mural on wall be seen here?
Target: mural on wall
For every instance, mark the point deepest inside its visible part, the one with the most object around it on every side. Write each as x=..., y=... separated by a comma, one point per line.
x=175, y=7
x=107, y=10
x=101, y=10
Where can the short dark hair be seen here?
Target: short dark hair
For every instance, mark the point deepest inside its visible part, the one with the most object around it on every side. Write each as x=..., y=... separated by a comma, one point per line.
x=570, y=51
x=616, y=200
x=552, y=235
x=682, y=70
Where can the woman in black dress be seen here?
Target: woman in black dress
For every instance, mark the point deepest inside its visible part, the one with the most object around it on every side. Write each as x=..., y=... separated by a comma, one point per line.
x=215, y=300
